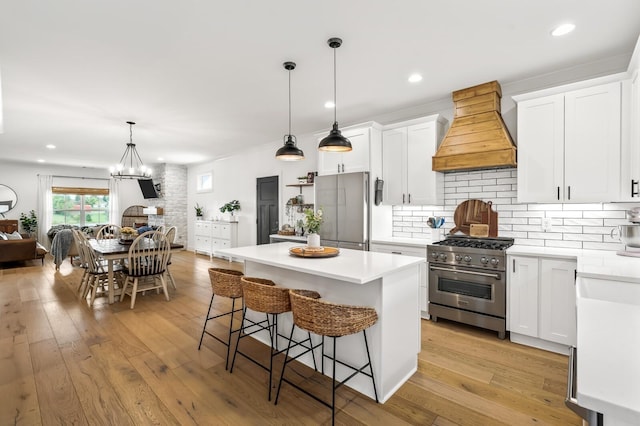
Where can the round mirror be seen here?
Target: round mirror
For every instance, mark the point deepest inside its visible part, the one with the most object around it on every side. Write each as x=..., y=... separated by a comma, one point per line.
x=8, y=198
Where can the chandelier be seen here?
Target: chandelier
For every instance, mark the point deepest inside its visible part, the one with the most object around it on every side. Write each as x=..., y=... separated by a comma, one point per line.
x=130, y=165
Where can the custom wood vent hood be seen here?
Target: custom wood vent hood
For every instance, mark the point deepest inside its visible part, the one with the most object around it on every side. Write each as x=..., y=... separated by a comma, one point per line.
x=478, y=137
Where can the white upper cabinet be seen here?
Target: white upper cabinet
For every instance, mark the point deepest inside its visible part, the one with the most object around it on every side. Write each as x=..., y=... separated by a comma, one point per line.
x=407, y=149
x=356, y=160
x=630, y=182
x=569, y=145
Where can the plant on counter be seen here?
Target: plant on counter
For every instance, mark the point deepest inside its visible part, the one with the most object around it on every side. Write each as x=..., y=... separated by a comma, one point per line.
x=313, y=220
x=30, y=222
x=199, y=210
x=230, y=207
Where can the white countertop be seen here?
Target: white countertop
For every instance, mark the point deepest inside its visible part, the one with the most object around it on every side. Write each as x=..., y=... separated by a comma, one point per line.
x=298, y=238
x=602, y=264
x=353, y=266
x=413, y=242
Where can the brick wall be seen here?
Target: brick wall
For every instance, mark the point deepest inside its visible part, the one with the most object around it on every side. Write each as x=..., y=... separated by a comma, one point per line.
x=585, y=226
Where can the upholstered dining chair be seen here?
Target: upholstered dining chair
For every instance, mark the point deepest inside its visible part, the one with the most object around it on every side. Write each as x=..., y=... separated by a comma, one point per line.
x=146, y=265
x=108, y=232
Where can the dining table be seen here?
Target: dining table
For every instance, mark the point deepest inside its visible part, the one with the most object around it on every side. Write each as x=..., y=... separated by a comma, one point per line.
x=113, y=250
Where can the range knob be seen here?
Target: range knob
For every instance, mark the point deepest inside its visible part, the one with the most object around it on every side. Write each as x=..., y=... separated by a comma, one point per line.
x=458, y=258
x=484, y=260
x=495, y=261
x=443, y=257
x=467, y=258
x=434, y=255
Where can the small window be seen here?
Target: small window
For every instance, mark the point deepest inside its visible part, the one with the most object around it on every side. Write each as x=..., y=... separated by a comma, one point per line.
x=204, y=182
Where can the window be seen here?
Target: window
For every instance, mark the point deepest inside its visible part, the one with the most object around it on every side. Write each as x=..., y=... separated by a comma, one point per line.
x=204, y=182
x=80, y=206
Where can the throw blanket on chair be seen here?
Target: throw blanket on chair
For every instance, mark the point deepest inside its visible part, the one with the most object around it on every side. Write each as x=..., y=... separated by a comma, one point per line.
x=61, y=245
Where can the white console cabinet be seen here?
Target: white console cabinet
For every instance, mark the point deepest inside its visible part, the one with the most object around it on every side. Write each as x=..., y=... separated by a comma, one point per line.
x=542, y=302
x=215, y=235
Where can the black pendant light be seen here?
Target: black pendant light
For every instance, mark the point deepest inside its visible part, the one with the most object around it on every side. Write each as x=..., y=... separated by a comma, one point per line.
x=289, y=152
x=335, y=142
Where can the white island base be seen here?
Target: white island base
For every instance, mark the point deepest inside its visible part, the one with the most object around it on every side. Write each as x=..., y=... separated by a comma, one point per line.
x=390, y=284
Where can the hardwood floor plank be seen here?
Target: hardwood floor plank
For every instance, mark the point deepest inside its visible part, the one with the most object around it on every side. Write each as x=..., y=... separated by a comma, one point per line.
x=186, y=406
x=10, y=318
x=36, y=321
x=59, y=403
x=64, y=331
x=17, y=385
x=89, y=381
x=140, y=402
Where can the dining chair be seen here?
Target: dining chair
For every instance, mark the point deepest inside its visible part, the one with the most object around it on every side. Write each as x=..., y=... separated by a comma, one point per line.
x=331, y=320
x=170, y=233
x=97, y=282
x=146, y=265
x=80, y=240
x=108, y=232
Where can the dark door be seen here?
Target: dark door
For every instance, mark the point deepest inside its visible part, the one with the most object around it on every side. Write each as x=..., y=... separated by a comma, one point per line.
x=267, y=208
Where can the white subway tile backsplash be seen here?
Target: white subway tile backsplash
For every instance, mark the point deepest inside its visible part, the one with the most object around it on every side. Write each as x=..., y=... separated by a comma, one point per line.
x=586, y=225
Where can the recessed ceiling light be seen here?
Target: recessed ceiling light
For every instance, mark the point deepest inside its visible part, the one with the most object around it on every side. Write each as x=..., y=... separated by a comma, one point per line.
x=563, y=29
x=414, y=78
x=40, y=160
x=160, y=159
x=329, y=104
x=51, y=146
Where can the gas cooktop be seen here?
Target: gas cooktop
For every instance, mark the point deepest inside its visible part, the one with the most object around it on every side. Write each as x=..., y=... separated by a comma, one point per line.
x=476, y=243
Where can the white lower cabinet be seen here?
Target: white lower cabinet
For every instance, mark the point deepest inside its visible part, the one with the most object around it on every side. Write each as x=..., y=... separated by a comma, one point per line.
x=405, y=250
x=211, y=236
x=542, y=302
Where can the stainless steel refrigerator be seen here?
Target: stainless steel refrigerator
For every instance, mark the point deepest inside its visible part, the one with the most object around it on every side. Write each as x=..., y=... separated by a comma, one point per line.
x=344, y=200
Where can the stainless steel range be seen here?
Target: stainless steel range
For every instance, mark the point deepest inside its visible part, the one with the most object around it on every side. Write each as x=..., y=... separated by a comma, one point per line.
x=467, y=281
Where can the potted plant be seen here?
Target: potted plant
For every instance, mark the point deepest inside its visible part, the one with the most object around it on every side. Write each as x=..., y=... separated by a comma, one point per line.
x=312, y=221
x=199, y=211
x=231, y=207
x=29, y=223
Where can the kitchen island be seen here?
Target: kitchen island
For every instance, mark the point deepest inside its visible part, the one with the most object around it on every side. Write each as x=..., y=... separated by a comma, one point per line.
x=389, y=283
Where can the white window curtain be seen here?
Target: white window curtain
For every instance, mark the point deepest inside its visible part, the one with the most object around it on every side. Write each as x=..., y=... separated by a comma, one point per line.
x=45, y=208
x=114, y=205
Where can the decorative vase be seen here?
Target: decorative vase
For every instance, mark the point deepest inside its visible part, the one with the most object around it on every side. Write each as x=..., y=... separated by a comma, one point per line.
x=313, y=240
x=198, y=217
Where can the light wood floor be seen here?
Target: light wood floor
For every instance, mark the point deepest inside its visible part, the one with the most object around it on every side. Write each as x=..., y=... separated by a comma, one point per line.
x=62, y=362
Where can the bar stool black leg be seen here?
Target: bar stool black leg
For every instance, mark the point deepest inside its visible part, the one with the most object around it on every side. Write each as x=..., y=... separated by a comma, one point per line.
x=205, y=321
x=235, y=351
x=366, y=345
x=233, y=310
x=333, y=386
x=284, y=365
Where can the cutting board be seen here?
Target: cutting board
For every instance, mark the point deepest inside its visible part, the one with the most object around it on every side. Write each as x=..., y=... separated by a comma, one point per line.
x=475, y=212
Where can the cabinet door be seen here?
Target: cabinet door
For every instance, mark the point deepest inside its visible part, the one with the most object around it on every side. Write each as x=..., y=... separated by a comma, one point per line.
x=393, y=167
x=558, y=301
x=523, y=297
x=356, y=160
x=592, y=144
x=630, y=145
x=541, y=149
x=424, y=186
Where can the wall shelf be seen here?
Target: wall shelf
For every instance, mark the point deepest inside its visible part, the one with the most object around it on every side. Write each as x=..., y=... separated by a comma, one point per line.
x=300, y=208
x=300, y=185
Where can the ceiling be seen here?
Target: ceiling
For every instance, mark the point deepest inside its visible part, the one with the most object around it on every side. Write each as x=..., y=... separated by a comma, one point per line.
x=205, y=79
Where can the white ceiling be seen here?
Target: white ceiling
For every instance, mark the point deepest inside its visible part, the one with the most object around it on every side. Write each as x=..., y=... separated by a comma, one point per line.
x=204, y=78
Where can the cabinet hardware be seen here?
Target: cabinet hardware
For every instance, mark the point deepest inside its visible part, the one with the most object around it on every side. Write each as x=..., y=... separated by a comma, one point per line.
x=558, y=193
x=402, y=198
x=342, y=167
x=634, y=184
x=568, y=192
x=514, y=266
x=338, y=168
x=396, y=252
x=409, y=198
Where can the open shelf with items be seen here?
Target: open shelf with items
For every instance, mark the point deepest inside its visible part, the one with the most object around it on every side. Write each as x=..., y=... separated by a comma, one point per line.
x=300, y=185
x=300, y=208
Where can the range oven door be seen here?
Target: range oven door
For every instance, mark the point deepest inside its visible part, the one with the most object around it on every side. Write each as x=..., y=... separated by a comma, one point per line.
x=594, y=418
x=471, y=289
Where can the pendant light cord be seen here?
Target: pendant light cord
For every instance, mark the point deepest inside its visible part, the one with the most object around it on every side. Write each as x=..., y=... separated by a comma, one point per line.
x=289, y=103
x=335, y=100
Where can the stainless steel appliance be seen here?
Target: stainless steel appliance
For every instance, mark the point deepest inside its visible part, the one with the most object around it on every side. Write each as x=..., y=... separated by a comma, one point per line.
x=594, y=418
x=344, y=200
x=467, y=281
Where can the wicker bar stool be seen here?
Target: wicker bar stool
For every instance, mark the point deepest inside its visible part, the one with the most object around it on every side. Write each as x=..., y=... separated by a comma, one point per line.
x=263, y=296
x=330, y=320
x=225, y=283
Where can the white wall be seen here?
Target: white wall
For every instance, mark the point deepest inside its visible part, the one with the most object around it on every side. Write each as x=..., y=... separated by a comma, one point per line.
x=234, y=178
